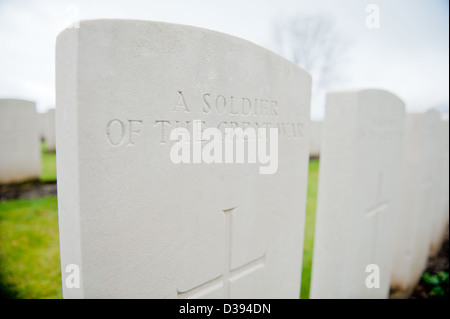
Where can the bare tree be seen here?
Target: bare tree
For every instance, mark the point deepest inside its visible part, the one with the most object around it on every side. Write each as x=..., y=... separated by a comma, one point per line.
x=313, y=43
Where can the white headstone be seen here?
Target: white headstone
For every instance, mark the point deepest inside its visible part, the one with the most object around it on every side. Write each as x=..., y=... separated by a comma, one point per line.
x=440, y=224
x=359, y=169
x=132, y=221
x=441, y=219
x=20, y=155
x=417, y=194
x=315, y=133
x=48, y=129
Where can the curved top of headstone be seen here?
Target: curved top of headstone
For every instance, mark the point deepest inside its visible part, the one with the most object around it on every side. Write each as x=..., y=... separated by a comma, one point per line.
x=367, y=98
x=17, y=106
x=12, y=101
x=369, y=93
x=201, y=38
x=433, y=114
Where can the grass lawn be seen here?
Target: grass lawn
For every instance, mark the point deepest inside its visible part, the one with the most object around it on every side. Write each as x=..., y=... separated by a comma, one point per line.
x=29, y=248
x=48, y=172
x=313, y=181
x=29, y=245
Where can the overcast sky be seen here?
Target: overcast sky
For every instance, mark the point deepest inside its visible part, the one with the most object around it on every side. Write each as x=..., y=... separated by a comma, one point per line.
x=407, y=55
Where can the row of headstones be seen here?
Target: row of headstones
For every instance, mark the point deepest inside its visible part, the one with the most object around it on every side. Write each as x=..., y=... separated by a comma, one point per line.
x=430, y=198
x=382, y=207
x=21, y=131
x=134, y=223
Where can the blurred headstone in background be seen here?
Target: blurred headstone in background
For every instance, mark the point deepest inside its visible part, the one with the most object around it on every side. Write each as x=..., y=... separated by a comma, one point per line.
x=440, y=223
x=47, y=129
x=360, y=164
x=20, y=154
x=417, y=194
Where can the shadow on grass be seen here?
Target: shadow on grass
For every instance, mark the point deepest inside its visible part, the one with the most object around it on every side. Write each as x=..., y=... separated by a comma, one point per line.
x=7, y=291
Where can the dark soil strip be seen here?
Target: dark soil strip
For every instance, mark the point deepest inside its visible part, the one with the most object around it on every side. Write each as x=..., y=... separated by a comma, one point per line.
x=30, y=189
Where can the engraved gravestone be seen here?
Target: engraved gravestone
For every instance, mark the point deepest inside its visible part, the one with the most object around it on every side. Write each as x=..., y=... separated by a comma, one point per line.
x=360, y=159
x=415, y=210
x=20, y=155
x=147, y=207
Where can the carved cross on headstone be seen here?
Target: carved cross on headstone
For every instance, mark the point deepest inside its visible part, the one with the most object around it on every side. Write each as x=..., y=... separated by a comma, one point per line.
x=380, y=205
x=374, y=212
x=229, y=274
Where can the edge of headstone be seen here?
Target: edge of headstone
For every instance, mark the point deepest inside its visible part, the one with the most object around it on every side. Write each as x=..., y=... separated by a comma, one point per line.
x=86, y=22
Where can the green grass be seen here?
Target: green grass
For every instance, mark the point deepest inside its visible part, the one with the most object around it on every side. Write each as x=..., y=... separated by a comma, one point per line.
x=29, y=245
x=48, y=173
x=313, y=181
x=29, y=248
